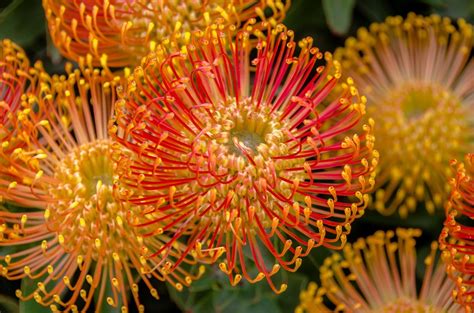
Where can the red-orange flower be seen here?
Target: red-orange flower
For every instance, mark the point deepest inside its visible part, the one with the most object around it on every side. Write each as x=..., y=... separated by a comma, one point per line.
x=261, y=164
x=120, y=32
x=70, y=230
x=457, y=236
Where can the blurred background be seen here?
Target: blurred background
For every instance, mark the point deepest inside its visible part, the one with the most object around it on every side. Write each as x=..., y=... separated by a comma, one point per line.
x=329, y=22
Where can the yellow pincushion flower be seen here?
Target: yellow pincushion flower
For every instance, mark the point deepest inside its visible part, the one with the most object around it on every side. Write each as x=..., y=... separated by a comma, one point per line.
x=120, y=33
x=71, y=232
x=417, y=75
x=378, y=274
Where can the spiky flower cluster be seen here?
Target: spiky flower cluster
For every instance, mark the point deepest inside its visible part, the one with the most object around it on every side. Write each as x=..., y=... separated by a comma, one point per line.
x=378, y=274
x=417, y=75
x=71, y=227
x=269, y=165
x=121, y=32
x=457, y=236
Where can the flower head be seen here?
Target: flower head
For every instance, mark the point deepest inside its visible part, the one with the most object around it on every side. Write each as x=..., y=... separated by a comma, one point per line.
x=72, y=231
x=259, y=158
x=378, y=274
x=457, y=236
x=418, y=80
x=121, y=32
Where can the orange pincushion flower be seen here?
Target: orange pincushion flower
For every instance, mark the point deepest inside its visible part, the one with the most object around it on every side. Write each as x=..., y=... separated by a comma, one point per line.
x=267, y=164
x=77, y=240
x=417, y=75
x=457, y=236
x=120, y=32
x=378, y=274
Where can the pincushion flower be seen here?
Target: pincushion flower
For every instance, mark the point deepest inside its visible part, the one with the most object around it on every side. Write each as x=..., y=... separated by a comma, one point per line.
x=417, y=75
x=70, y=230
x=457, y=236
x=259, y=166
x=378, y=274
x=120, y=32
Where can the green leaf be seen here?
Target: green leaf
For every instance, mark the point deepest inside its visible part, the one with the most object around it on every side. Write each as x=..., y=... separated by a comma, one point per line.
x=176, y=296
x=375, y=10
x=29, y=286
x=8, y=305
x=227, y=301
x=203, y=304
x=9, y=9
x=23, y=22
x=338, y=15
x=104, y=306
x=291, y=297
x=457, y=9
x=264, y=305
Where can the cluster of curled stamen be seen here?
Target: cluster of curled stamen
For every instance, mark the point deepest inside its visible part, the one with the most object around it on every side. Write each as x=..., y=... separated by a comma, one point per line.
x=120, y=32
x=270, y=166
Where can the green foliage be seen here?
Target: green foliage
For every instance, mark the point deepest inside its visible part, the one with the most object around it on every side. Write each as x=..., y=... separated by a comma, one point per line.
x=213, y=293
x=454, y=8
x=374, y=10
x=22, y=21
x=8, y=304
x=338, y=15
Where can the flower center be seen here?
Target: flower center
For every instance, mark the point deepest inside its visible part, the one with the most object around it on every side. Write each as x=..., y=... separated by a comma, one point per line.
x=246, y=129
x=418, y=101
x=246, y=149
x=83, y=210
x=415, y=101
x=247, y=138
